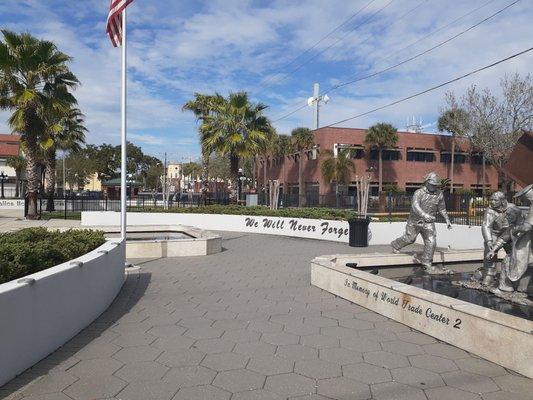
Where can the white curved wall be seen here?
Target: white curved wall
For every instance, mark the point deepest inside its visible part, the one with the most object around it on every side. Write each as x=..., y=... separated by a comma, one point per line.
x=36, y=319
x=461, y=237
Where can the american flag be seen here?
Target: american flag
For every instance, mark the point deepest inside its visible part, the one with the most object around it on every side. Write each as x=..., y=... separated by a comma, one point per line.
x=114, y=20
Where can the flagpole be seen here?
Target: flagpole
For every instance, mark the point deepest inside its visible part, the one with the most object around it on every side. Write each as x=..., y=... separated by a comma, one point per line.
x=123, y=134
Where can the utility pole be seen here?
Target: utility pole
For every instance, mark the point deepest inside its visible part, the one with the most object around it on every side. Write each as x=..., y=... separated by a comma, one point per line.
x=165, y=194
x=314, y=102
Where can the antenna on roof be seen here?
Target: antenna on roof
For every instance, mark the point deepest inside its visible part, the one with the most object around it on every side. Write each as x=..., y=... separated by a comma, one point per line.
x=413, y=125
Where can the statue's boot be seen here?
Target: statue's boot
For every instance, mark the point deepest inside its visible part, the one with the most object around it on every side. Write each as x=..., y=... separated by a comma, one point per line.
x=394, y=249
x=437, y=270
x=488, y=280
x=504, y=286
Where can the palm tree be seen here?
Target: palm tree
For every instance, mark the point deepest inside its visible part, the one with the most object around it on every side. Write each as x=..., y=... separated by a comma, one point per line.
x=456, y=121
x=381, y=136
x=302, y=139
x=202, y=106
x=337, y=169
x=236, y=128
x=18, y=163
x=282, y=147
x=67, y=134
x=34, y=78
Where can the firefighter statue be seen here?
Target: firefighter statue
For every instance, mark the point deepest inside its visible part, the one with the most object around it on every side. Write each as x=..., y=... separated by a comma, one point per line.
x=427, y=202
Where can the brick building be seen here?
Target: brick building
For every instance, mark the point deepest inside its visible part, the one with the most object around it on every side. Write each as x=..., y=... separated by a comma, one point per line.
x=404, y=166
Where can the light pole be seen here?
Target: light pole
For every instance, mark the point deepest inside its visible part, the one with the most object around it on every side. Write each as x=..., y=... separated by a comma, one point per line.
x=239, y=186
x=3, y=178
x=129, y=181
x=314, y=102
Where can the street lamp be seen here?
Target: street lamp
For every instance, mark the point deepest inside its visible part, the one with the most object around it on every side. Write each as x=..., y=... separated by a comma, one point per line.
x=129, y=181
x=239, y=185
x=3, y=178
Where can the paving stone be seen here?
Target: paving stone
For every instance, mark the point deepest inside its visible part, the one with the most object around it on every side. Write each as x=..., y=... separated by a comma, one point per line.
x=96, y=387
x=287, y=319
x=97, y=350
x=360, y=344
x=450, y=393
x=142, y=371
x=176, y=342
x=371, y=317
x=167, y=331
x=416, y=338
x=301, y=329
x=385, y=359
x=190, y=376
x=445, y=350
x=417, y=377
x=259, y=394
x=253, y=349
x=318, y=369
x=433, y=363
x=95, y=367
x=291, y=384
x=229, y=324
x=501, y=395
x=366, y=373
x=396, y=391
x=162, y=319
x=140, y=353
x=241, y=335
x=181, y=358
x=50, y=383
x=279, y=338
x=50, y=396
x=196, y=322
x=239, y=380
x=403, y=348
x=320, y=322
x=270, y=365
x=206, y=392
x=319, y=341
x=343, y=389
x=225, y=361
x=340, y=355
x=357, y=324
x=310, y=397
x=339, y=332
x=264, y=326
x=391, y=326
x=155, y=390
x=204, y=333
x=469, y=382
x=514, y=384
x=214, y=345
x=297, y=352
x=380, y=336
x=481, y=367
x=134, y=339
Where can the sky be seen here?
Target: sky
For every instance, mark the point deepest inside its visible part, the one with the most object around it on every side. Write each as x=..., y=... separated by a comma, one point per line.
x=275, y=50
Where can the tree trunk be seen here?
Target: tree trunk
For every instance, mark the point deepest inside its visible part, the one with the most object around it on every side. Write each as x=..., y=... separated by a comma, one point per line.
x=337, y=194
x=483, y=173
x=234, y=172
x=452, y=164
x=50, y=168
x=205, y=174
x=265, y=181
x=33, y=176
x=380, y=167
x=301, y=188
x=17, y=181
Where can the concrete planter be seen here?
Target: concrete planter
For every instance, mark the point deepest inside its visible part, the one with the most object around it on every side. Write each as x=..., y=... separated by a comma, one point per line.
x=42, y=311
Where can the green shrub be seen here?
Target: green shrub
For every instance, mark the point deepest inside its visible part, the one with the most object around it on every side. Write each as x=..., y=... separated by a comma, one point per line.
x=312, y=213
x=34, y=249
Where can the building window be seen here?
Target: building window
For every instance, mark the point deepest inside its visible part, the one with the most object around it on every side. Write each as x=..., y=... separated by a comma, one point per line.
x=477, y=159
x=387, y=155
x=447, y=158
x=421, y=156
x=357, y=153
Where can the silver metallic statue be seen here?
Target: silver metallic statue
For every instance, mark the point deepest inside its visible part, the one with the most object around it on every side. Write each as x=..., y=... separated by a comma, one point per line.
x=495, y=230
x=517, y=268
x=427, y=202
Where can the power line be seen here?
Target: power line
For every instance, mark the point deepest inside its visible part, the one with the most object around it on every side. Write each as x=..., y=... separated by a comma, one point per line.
x=335, y=87
x=432, y=88
x=321, y=40
x=299, y=66
x=397, y=20
x=342, y=84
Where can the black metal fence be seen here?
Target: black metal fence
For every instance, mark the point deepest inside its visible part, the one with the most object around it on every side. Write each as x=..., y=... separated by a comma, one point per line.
x=464, y=209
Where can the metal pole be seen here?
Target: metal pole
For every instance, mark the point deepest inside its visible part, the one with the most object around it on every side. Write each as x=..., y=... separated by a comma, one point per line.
x=123, y=133
x=316, y=93
x=64, y=178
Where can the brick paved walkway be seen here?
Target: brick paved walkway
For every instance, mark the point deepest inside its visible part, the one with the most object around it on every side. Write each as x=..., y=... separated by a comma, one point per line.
x=246, y=325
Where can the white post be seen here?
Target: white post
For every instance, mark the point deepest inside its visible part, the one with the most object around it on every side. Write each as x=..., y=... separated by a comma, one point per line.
x=123, y=134
x=316, y=93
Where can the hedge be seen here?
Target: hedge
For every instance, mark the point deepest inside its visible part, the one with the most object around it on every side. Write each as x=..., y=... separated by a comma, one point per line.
x=34, y=249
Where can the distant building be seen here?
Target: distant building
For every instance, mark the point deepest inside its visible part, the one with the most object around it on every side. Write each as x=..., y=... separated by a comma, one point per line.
x=404, y=166
x=9, y=147
x=174, y=176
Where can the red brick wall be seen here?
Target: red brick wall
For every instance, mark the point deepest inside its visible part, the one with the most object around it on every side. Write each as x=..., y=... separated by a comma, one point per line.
x=9, y=145
x=399, y=172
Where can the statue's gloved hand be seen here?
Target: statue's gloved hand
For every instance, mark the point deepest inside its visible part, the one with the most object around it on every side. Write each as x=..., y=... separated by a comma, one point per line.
x=491, y=254
x=429, y=218
x=448, y=224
